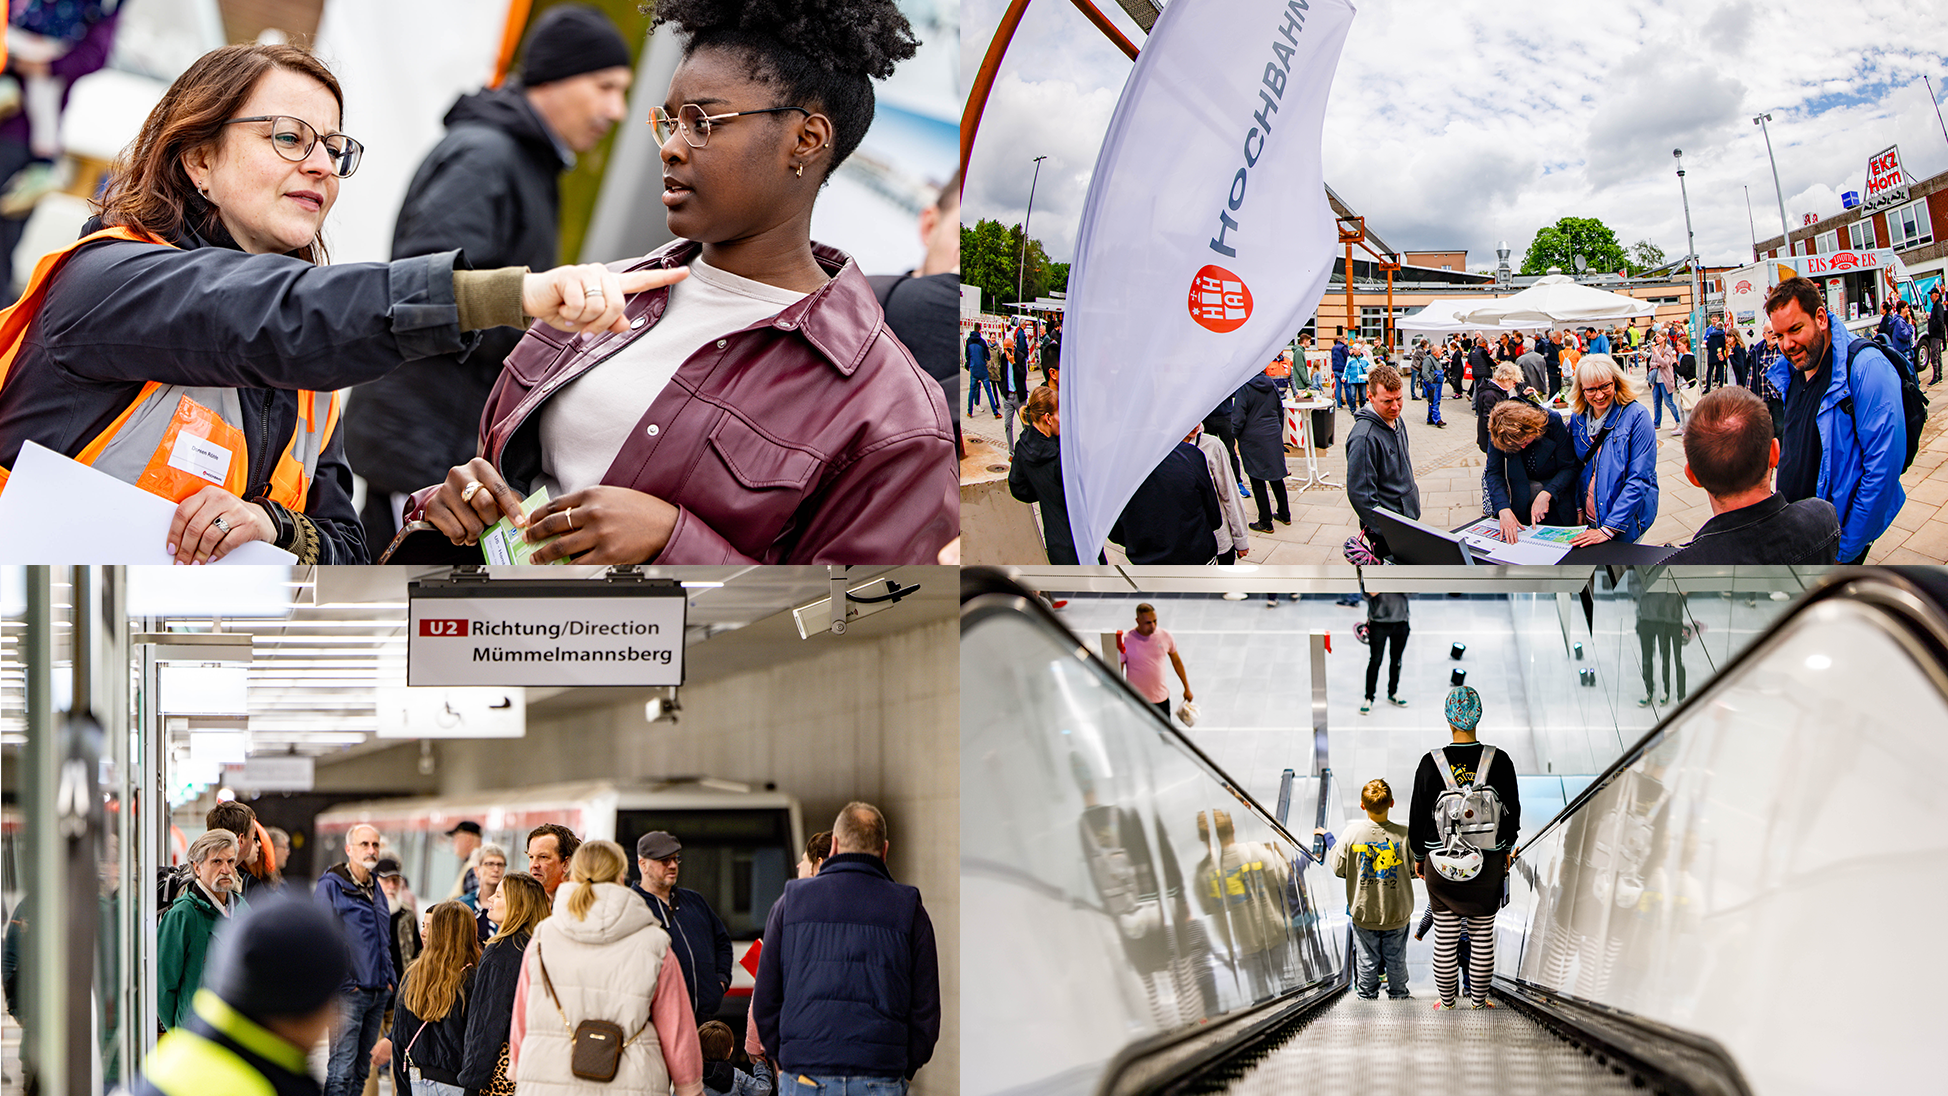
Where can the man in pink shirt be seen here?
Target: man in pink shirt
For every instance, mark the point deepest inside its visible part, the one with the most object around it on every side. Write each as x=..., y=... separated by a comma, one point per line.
x=1144, y=650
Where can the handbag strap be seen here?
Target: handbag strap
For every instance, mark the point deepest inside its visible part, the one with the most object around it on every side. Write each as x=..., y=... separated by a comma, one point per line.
x=550, y=986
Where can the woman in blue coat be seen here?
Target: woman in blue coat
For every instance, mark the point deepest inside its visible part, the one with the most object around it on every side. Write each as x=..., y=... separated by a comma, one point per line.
x=1617, y=445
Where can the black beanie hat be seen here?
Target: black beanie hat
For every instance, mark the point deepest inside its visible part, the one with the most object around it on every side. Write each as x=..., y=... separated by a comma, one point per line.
x=569, y=40
x=283, y=957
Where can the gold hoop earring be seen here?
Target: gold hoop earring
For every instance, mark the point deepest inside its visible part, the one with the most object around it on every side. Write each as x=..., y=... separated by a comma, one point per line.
x=799, y=171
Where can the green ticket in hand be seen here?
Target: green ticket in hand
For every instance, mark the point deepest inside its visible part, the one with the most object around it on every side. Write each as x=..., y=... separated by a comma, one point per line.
x=504, y=545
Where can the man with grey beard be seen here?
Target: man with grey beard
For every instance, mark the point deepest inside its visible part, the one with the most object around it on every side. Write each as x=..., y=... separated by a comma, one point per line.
x=183, y=939
x=350, y=890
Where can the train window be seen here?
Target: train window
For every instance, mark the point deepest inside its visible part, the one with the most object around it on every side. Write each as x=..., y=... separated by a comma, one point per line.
x=739, y=860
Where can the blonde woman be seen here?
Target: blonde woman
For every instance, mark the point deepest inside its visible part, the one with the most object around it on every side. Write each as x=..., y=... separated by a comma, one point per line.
x=1617, y=446
x=517, y=906
x=602, y=956
x=429, y=1017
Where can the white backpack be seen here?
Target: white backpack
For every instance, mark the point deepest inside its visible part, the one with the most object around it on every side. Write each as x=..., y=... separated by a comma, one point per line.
x=1466, y=819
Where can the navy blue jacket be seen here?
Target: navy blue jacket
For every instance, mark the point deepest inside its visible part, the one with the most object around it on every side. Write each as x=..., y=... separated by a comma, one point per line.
x=1170, y=517
x=698, y=938
x=368, y=926
x=848, y=981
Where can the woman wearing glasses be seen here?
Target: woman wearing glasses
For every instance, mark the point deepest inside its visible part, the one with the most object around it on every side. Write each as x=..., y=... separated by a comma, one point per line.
x=1617, y=445
x=192, y=341
x=760, y=411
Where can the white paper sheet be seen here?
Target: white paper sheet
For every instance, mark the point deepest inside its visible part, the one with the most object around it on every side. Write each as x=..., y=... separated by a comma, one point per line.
x=59, y=511
x=1536, y=545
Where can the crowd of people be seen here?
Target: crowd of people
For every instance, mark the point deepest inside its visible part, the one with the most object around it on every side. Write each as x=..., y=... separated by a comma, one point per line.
x=1798, y=441
x=567, y=978
x=677, y=407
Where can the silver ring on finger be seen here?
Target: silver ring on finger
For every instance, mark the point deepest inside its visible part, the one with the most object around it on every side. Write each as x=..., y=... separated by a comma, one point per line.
x=592, y=291
x=571, y=517
x=221, y=524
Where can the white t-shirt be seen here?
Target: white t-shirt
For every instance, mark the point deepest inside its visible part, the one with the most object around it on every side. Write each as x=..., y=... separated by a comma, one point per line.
x=584, y=425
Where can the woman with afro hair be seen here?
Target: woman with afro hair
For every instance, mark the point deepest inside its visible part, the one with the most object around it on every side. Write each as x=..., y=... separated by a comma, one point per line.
x=759, y=411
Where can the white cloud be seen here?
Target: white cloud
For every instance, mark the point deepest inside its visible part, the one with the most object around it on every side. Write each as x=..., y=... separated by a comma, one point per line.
x=1462, y=124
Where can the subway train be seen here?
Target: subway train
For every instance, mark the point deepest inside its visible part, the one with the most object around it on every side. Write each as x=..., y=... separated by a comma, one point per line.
x=740, y=845
x=1700, y=918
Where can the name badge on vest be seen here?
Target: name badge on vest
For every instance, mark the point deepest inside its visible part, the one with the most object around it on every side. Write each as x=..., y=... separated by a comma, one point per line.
x=199, y=449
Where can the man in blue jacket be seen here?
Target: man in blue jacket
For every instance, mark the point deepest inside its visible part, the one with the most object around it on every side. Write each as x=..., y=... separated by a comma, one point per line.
x=698, y=938
x=848, y=986
x=351, y=890
x=1850, y=459
x=1339, y=352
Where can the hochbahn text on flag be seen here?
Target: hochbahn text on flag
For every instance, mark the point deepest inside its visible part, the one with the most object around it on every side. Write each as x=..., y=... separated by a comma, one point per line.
x=1205, y=241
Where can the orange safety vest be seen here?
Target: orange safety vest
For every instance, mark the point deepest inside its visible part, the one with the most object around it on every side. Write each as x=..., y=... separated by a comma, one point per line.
x=140, y=446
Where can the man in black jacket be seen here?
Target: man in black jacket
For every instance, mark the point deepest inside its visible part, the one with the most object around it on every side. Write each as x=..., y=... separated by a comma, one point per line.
x=488, y=188
x=1171, y=516
x=698, y=938
x=1730, y=451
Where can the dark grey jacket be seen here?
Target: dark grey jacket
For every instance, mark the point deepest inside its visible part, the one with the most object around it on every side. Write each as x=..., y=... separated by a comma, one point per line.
x=1258, y=420
x=121, y=314
x=1769, y=532
x=1379, y=469
x=489, y=189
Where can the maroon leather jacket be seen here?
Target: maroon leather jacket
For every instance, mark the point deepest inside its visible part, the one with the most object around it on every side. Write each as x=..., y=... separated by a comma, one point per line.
x=812, y=437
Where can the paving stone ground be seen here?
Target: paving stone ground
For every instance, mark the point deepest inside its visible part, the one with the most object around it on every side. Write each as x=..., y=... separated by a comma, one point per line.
x=1449, y=469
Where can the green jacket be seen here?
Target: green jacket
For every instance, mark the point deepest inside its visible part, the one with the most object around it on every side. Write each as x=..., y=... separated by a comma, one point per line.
x=182, y=943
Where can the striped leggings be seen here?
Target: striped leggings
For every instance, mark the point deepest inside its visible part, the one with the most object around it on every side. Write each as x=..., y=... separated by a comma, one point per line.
x=1481, y=955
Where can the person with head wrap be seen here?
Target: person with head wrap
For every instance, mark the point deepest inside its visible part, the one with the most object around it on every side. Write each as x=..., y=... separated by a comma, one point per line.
x=1471, y=901
x=269, y=996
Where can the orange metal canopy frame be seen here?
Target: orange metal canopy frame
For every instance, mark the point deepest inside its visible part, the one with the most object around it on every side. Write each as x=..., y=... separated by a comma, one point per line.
x=977, y=97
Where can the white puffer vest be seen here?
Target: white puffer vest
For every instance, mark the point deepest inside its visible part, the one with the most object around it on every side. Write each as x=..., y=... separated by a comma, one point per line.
x=603, y=968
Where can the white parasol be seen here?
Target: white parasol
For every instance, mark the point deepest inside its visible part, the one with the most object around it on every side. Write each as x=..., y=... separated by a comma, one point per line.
x=1557, y=299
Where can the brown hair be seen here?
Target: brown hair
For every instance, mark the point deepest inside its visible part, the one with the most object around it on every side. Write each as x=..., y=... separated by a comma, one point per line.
x=149, y=189
x=716, y=1040
x=431, y=985
x=565, y=840
x=1727, y=440
x=231, y=815
x=819, y=847
x=1384, y=376
x=526, y=902
x=1514, y=423
x=1376, y=793
x=1795, y=289
x=859, y=828
x=1040, y=405
x=595, y=862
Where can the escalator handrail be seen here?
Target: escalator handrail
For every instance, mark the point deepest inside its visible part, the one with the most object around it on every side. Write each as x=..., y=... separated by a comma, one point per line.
x=1916, y=597
x=988, y=592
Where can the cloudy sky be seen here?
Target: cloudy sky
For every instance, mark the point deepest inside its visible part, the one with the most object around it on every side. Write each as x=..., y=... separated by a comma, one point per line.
x=1460, y=124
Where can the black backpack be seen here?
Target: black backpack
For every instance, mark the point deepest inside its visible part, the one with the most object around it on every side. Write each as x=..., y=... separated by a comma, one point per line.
x=170, y=884
x=1914, y=405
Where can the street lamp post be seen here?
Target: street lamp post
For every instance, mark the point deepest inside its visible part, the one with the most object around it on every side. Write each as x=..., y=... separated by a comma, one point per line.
x=1785, y=228
x=1691, y=245
x=1751, y=224
x=1021, y=268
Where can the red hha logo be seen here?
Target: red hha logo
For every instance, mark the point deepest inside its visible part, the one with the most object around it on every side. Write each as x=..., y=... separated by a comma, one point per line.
x=1219, y=300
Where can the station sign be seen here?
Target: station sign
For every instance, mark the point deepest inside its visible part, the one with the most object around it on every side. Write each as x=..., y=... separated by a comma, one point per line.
x=274, y=773
x=560, y=632
x=1886, y=182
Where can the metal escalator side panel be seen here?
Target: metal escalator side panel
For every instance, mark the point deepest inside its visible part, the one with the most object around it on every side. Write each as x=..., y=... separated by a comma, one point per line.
x=1722, y=881
x=1118, y=886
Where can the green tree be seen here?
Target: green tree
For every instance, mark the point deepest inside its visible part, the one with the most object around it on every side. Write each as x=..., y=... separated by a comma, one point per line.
x=991, y=257
x=1645, y=255
x=1560, y=244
